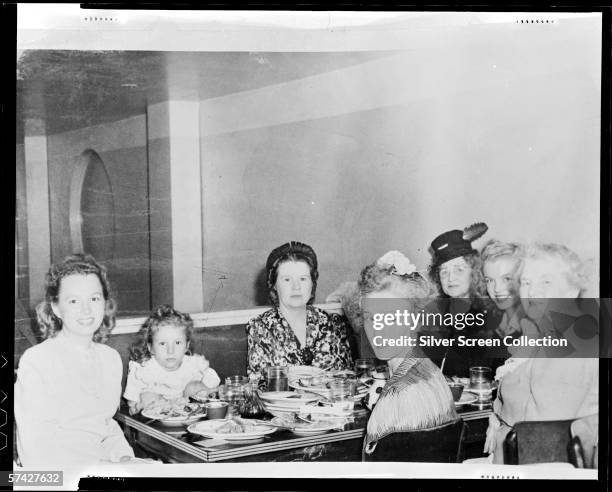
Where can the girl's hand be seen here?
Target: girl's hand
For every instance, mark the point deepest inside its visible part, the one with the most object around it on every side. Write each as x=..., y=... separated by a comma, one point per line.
x=149, y=398
x=193, y=388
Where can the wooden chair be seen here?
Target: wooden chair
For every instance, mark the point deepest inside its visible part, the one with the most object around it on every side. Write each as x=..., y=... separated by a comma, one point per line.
x=442, y=444
x=540, y=442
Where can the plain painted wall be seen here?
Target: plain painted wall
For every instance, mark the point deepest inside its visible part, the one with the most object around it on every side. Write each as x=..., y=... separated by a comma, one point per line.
x=503, y=130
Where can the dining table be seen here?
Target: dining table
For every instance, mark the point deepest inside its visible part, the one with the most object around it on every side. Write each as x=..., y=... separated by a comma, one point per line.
x=176, y=445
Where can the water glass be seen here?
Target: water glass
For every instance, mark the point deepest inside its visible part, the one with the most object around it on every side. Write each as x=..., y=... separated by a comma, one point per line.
x=276, y=378
x=232, y=394
x=364, y=367
x=341, y=394
x=480, y=382
x=236, y=380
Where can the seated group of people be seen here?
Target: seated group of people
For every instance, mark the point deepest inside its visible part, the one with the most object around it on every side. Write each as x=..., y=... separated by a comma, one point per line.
x=79, y=378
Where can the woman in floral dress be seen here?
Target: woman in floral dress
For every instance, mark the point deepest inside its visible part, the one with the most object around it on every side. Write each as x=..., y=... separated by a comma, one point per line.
x=294, y=332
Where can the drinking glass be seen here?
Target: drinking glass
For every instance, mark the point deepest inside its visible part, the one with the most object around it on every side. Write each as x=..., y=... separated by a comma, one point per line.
x=232, y=394
x=364, y=367
x=276, y=378
x=236, y=380
x=341, y=394
x=480, y=382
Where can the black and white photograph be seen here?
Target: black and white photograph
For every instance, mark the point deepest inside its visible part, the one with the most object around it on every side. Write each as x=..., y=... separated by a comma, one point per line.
x=220, y=216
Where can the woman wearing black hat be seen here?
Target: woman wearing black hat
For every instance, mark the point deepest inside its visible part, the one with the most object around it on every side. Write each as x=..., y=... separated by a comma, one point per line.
x=294, y=332
x=457, y=270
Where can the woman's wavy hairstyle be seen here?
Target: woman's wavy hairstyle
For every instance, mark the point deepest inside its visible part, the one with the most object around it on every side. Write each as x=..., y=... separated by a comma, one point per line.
x=375, y=278
x=292, y=251
x=478, y=289
x=577, y=270
x=76, y=264
x=164, y=315
x=495, y=249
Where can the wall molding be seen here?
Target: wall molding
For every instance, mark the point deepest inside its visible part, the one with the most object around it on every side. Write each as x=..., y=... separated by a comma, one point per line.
x=213, y=319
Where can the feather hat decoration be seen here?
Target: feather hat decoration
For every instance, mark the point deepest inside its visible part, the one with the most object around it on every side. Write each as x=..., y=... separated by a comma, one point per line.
x=474, y=231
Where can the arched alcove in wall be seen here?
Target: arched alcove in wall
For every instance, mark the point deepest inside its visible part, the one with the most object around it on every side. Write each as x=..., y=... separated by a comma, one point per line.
x=92, y=208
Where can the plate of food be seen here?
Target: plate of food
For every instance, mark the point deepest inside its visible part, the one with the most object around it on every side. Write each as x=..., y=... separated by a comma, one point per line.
x=315, y=427
x=296, y=372
x=321, y=385
x=230, y=429
x=175, y=413
x=467, y=397
x=288, y=398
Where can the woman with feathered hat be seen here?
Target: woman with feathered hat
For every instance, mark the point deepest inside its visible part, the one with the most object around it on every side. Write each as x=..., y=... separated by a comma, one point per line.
x=457, y=271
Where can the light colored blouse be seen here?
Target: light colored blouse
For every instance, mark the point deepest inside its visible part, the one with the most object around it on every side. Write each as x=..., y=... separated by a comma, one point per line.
x=65, y=399
x=544, y=389
x=151, y=376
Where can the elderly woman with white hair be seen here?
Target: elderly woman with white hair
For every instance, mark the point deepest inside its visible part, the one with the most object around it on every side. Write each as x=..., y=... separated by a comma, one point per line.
x=547, y=386
x=416, y=397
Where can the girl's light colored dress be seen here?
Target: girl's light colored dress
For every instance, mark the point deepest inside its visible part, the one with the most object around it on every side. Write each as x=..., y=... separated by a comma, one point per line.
x=65, y=399
x=151, y=376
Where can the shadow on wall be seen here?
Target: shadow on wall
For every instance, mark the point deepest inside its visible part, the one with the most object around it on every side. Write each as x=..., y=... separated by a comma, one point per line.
x=260, y=289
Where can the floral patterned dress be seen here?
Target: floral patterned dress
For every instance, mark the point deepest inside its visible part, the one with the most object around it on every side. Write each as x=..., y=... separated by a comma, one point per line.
x=272, y=342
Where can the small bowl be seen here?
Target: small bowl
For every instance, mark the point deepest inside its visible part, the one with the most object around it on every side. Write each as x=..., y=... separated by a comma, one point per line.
x=456, y=390
x=216, y=409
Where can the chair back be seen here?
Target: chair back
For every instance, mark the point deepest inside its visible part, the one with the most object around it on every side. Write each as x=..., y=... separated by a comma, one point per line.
x=585, y=441
x=538, y=442
x=442, y=444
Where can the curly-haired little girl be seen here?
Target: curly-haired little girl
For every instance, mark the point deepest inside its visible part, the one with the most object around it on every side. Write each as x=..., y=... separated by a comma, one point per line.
x=162, y=367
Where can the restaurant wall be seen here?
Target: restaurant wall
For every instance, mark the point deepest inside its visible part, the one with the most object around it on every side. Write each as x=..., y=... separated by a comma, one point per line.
x=21, y=230
x=512, y=150
x=122, y=146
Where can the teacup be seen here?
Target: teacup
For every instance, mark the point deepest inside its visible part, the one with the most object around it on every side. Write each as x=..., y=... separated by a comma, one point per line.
x=216, y=409
x=456, y=390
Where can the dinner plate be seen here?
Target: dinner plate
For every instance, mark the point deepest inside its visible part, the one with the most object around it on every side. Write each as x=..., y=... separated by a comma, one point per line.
x=282, y=408
x=288, y=398
x=304, y=429
x=466, y=398
x=296, y=372
x=172, y=421
x=207, y=428
x=326, y=392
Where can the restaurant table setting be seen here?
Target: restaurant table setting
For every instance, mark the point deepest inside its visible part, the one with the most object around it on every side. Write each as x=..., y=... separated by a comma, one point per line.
x=298, y=407
x=478, y=390
x=175, y=413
